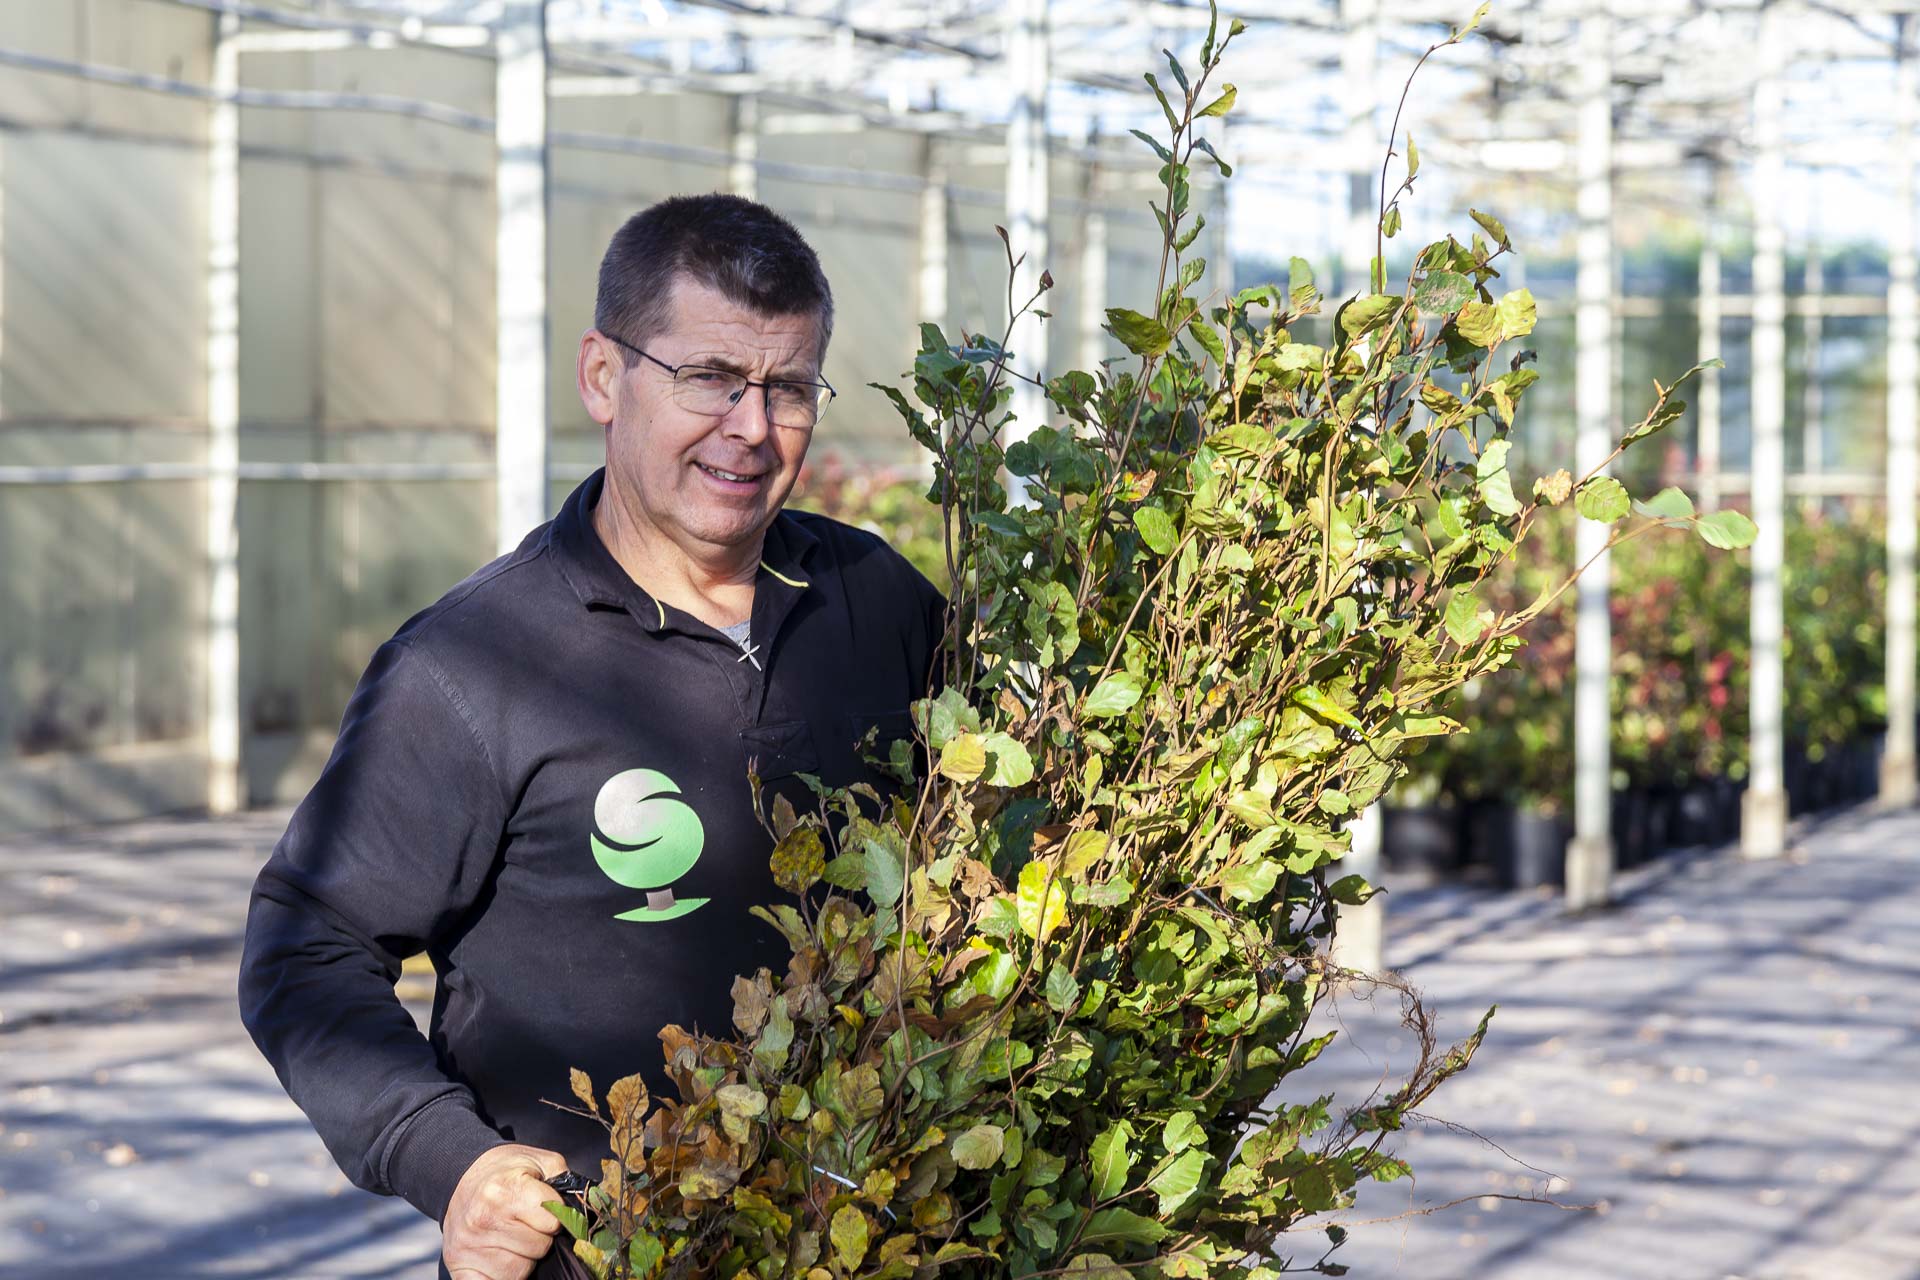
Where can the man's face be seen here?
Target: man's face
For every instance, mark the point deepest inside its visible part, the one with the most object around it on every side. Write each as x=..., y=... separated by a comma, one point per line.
x=705, y=481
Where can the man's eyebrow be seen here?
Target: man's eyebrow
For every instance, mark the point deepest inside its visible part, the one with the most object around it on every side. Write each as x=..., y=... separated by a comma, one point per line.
x=786, y=373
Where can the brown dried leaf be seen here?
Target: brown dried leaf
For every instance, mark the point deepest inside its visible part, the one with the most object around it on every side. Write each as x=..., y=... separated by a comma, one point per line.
x=750, y=1000
x=583, y=1089
x=627, y=1101
x=784, y=818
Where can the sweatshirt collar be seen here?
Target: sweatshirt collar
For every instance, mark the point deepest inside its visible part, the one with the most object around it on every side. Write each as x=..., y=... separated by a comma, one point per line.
x=597, y=578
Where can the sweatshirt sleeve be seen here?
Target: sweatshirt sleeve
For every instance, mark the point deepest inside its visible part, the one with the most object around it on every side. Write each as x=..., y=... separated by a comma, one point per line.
x=382, y=860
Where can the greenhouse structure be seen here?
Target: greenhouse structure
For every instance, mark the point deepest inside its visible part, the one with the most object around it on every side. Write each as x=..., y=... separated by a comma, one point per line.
x=288, y=289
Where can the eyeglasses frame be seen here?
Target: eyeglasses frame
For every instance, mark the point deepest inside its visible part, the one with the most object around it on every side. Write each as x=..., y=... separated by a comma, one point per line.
x=766, y=388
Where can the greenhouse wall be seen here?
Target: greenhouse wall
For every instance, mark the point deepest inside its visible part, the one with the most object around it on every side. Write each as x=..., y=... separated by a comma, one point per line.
x=367, y=336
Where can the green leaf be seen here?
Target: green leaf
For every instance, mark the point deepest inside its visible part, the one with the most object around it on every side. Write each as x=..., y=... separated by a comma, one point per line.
x=1142, y=335
x=1183, y=1131
x=1351, y=891
x=1315, y=699
x=979, y=1147
x=1488, y=223
x=1413, y=156
x=1668, y=504
x=1122, y=1224
x=1222, y=104
x=1727, y=530
x=1112, y=1160
x=1602, y=498
x=571, y=1218
x=1009, y=764
x=644, y=1253
x=1488, y=326
x=1112, y=696
x=964, y=758
x=1443, y=292
x=1176, y=1184
x=849, y=1232
x=1159, y=148
x=1156, y=530
x=1495, y=482
x=1209, y=338
x=1251, y=881
x=1364, y=314
x=1041, y=901
x=1463, y=617
x=1062, y=990
x=883, y=863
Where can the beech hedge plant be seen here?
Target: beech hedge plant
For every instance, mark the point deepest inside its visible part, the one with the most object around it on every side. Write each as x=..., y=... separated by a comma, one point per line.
x=1046, y=1001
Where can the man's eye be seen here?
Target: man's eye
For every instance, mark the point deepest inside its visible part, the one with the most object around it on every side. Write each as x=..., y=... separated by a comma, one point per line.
x=796, y=392
x=706, y=377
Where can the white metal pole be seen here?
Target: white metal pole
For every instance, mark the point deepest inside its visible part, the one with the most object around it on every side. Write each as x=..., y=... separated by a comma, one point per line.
x=1763, y=827
x=1093, y=270
x=225, y=783
x=1359, y=941
x=1028, y=68
x=1706, y=462
x=935, y=233
x=520, y=129
x=1590, y=856
x=743, y=169
x=1899, y=784
x=1813, y=435
x=1359, y=53
x=1220, y=221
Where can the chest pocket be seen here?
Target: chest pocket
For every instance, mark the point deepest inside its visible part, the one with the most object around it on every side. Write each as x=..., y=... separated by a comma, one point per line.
x=780, y=749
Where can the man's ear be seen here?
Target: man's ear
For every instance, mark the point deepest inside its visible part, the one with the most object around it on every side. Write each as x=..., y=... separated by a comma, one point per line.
x=596, y=373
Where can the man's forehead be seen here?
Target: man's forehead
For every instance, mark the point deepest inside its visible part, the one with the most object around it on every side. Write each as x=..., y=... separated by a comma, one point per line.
x=708, y=319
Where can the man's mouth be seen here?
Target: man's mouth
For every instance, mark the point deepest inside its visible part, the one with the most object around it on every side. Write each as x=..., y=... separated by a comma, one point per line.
x=731, y=477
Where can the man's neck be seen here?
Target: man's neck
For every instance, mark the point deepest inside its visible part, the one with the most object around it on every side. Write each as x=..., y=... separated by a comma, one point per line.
x=713, y=583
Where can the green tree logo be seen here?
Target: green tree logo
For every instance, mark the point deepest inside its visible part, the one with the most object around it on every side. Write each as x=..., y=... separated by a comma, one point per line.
x=646, y=837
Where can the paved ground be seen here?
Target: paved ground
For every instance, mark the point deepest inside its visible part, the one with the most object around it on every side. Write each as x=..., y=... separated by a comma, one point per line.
x=1727, y=1063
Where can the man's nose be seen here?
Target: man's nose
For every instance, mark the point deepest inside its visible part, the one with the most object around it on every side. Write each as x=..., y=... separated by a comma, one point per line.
x=748, y=420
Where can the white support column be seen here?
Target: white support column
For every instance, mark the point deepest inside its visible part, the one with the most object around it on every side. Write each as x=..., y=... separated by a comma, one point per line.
x=743, y=169
x=226, y=791
x=1359, y=941
x=1763, y=826
x=1706, y=461
x=1899, y=784
x=1220, y=222
x=520, y=130
x=935, y=233
x=1093, y=270
x=1359, y=74
x=1590, y=856
x=1028, y=205
x=1813, y=434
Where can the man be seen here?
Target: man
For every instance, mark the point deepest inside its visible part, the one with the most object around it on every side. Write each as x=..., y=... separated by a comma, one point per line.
x=542, y=779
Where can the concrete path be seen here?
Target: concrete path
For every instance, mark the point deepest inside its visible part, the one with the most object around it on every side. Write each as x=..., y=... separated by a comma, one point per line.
x=141, y=1133
x=1728, y=1063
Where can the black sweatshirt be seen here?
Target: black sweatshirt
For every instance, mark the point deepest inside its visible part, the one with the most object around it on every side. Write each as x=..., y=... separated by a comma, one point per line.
x=541, y=782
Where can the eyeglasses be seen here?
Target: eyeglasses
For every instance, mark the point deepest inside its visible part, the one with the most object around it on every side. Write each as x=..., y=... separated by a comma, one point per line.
x=713, y=393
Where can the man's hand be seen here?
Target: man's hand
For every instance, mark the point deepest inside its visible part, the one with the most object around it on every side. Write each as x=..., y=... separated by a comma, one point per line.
x=495, y=1228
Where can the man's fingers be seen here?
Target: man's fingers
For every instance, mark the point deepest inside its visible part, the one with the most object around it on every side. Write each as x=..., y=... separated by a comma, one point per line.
x=505, y=1256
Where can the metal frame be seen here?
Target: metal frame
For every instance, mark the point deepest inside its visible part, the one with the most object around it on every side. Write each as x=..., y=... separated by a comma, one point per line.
x=1574, y=92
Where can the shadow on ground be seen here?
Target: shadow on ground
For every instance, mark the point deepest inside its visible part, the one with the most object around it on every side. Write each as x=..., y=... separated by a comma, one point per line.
x=1723, y=1064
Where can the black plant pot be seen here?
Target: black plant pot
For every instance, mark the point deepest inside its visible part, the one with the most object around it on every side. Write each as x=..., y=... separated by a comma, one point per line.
x=1420, y=838
x=1699, y=815
x=1528, y=850
x=1629, y=827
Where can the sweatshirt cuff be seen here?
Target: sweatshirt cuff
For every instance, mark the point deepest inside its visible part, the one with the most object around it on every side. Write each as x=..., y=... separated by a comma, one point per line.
x=438, y=1146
